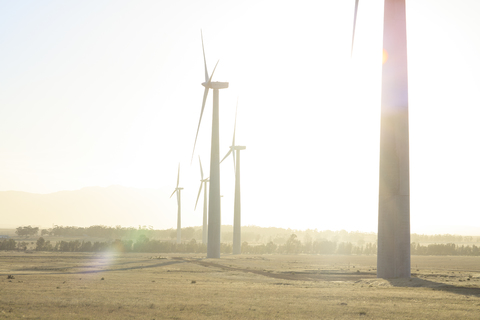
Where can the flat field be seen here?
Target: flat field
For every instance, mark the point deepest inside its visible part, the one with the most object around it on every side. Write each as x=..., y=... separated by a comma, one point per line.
x=189, y=286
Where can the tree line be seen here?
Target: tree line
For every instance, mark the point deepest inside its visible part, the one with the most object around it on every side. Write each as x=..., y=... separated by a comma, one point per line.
x=251, y=234
x=444, y=249
x=99, y=231
x=144, y=244
x=27, y=231
x=292, y=246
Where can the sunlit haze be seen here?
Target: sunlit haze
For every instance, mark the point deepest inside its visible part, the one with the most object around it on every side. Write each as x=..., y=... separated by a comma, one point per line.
x=101, y=93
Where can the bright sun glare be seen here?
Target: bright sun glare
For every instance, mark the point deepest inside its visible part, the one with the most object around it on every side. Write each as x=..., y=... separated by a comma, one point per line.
x=384, y=56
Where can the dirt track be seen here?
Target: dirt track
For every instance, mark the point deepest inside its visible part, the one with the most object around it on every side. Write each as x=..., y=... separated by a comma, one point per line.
x=323, y=275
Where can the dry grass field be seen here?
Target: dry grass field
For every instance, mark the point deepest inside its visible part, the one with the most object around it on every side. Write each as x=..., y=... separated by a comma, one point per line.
x=149, y=286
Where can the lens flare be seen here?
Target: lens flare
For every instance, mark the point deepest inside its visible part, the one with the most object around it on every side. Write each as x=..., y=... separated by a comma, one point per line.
x=384, y=56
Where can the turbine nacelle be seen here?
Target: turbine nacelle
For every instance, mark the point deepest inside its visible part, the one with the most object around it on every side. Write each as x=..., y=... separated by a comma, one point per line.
x=233, y=147
x=208, y=84
x=202, y=181
x=215, y=85
x=177, y=188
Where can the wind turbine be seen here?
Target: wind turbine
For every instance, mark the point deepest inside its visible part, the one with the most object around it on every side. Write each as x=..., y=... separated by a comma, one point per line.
x=214, y=207
x=235, y=150
x=393, y=258
x=203, y=182
x=179, y=205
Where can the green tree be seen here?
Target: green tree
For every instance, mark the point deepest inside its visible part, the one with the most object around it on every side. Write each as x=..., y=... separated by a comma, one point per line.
x=293, y=245
x=40, y=244
x=26, y=231
x=8, y=244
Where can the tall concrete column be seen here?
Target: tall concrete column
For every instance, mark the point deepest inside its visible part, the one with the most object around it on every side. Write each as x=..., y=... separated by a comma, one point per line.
x=205, y=217
x=237, y=232
x=393, y=259
x=214, y=210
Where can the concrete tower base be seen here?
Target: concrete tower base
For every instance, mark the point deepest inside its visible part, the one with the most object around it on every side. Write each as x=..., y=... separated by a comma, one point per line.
x=214, y=209
x=393, y=259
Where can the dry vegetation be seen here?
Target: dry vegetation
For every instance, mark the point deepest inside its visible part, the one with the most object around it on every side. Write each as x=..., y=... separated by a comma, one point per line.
x=146, y=286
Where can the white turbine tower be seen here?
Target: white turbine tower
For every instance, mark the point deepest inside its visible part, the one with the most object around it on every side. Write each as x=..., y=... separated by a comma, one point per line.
x=214, y=206
x=179, y=205
x=237, y=232
x=393, y=258
x=203, y=182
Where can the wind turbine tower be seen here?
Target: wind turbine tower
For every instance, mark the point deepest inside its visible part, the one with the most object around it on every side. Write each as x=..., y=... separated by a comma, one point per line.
x=203, y=182
x=214, y=207
x=179, y=206
x=393, y=258
x=237, y=232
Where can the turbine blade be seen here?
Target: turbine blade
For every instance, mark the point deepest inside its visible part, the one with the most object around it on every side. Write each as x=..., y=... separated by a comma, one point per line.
x=199, y=192
x=228, y=153
x=204, y=59
x=233, y=156
x=178, y=175
x=211, y=76
x=354, y=24
x=201, y=170
x=205, y=94
x=173, y=193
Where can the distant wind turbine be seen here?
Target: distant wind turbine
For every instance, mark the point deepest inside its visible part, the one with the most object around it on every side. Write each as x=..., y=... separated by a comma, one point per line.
x=235, y=150
x=179, y=205
x=393, y=258
x=203, y=182
x=214, y=206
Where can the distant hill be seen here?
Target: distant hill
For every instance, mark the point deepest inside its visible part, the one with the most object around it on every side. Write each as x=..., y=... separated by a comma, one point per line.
x=114, y=205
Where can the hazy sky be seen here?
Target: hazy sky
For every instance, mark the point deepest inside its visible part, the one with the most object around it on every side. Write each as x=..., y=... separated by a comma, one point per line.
x=95, y=93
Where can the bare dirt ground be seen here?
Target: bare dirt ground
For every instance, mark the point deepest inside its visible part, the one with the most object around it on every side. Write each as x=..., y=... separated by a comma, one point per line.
x=188, y=286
